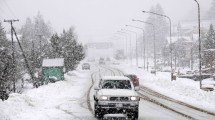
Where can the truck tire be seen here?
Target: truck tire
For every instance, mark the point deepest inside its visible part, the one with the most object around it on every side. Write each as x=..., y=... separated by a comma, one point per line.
x=135, y=115
x=98, y=113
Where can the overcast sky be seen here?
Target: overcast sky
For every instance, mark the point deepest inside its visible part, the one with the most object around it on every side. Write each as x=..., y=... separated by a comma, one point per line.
x=94, y=20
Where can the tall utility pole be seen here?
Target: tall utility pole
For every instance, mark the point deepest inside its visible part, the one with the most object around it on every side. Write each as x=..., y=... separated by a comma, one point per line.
x=35, y=82
x=200, y=57
x=13, y=52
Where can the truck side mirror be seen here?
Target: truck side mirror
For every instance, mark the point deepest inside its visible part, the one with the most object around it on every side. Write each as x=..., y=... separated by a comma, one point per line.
x=96, y=88
x=137, y=88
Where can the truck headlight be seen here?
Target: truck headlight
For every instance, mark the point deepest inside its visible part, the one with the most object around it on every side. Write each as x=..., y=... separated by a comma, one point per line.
x=103, y=98
x=134, y=98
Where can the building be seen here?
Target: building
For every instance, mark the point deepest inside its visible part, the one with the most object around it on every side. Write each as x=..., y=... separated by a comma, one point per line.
x=53, y=69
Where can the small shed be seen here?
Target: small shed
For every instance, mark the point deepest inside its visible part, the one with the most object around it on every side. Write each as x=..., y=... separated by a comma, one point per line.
x=53, y=68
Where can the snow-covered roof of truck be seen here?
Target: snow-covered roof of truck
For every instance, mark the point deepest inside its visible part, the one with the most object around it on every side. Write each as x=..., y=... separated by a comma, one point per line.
x=115, y=78
x=57, y=62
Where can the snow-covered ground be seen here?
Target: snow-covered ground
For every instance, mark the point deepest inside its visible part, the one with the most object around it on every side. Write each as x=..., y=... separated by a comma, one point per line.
x=63, y=100
x=66, y=100
x=182, y=89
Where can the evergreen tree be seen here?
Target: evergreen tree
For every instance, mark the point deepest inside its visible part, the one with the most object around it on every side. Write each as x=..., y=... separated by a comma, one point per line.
x=35, y=34
x=6, y=61
x=209, y=47
x=73, y=51
x=56, y=48
x=161, y=30
x=67, y=47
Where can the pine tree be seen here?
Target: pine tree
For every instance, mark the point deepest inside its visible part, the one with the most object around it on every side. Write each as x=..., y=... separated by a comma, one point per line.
x=73, y=51
x=5, y=61
x=56, y=48
x=209, y=47
x=67, y=46
x=161, y=30
x=31, y=31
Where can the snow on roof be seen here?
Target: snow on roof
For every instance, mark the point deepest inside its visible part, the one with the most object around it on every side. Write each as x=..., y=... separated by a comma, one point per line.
x=53, y=62
x=115, y=78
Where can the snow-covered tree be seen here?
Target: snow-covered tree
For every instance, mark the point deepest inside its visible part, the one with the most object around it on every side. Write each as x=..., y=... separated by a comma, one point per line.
x=6, y=66
x=209, y=47
x=56, y=47
x=161, y=29
x=35, y=35
x=67, y=47
x=73, y=51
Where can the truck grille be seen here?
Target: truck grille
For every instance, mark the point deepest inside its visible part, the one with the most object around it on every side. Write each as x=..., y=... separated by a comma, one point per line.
x=119, y=99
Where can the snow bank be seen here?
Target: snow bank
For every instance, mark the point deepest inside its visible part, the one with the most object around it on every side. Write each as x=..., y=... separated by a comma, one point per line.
x=63, y=100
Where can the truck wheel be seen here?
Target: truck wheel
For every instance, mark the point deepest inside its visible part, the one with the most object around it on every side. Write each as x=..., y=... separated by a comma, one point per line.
x=98, y=113
x=135, y=115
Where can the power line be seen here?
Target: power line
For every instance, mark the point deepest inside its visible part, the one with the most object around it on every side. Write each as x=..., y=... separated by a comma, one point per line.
x=10, y=10
x=4, y=12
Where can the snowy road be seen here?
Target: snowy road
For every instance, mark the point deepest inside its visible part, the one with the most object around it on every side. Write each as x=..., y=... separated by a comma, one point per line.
x=67, y=100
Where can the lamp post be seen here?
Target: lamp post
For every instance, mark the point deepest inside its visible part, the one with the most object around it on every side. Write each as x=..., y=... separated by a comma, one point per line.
x=200, y=58
x=153, y=27
x=130, y=42
x=126, y=47
x=170, y=34
x=143, y=42
x=136, y=44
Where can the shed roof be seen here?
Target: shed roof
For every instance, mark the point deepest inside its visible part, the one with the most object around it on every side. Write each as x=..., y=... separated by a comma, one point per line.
x=57, y=62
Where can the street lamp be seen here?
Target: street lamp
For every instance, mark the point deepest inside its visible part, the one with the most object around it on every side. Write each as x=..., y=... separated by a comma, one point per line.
x=130, y=43
x=200, y=58
x=153, y=27
x=143, y=41
x=136, y=44
x=124, y=35
x=170, y=34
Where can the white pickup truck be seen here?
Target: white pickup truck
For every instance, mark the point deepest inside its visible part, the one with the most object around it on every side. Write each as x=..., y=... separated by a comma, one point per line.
x=114, y=95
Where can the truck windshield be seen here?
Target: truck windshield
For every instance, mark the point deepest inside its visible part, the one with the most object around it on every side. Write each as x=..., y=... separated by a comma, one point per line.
x=116, y=84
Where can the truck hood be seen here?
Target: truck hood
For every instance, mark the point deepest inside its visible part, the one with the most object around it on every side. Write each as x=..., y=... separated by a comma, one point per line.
x=117, y=92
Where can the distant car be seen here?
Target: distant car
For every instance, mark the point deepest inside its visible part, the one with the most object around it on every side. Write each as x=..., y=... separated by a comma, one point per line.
x=101, y=61
x=153, y=71
x=86, y=66
x=134, y=79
